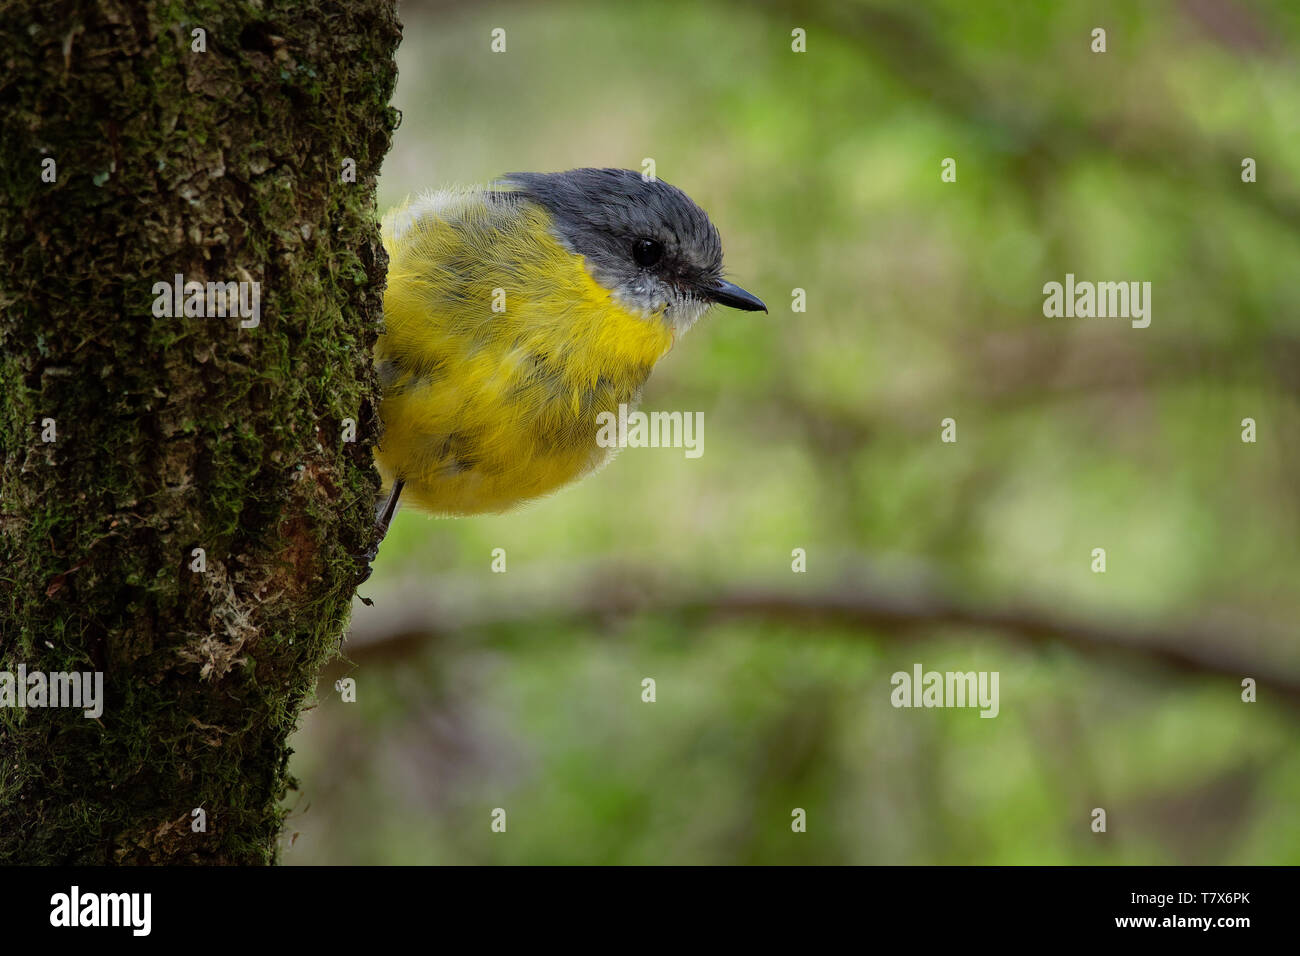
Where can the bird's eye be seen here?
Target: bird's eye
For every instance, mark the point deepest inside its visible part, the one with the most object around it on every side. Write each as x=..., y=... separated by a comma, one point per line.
x=647, y=252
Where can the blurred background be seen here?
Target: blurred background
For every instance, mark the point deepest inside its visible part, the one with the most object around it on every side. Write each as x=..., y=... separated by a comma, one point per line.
x=1119, y=690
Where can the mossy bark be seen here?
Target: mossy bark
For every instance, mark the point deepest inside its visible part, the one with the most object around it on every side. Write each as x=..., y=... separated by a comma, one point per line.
x=172, y=434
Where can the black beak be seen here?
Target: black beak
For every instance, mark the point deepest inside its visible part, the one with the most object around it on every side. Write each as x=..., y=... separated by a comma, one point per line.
x=724, y=293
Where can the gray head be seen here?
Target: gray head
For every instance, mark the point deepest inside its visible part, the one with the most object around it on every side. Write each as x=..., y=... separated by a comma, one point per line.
x=646, y=241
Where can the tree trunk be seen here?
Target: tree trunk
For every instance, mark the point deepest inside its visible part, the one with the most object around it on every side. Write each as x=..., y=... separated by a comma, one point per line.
x=131, y=438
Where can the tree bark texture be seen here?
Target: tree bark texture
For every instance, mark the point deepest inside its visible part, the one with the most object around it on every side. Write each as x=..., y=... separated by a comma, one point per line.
x=128, y=439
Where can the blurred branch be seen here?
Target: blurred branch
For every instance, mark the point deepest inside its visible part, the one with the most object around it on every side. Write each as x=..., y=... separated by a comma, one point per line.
x=889, y=609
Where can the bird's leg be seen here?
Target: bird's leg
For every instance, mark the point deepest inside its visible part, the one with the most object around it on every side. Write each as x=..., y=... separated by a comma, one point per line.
x=385, y=514
x=383, y=517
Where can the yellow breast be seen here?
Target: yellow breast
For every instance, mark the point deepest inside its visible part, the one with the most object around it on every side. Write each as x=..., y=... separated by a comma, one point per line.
x=499, y=353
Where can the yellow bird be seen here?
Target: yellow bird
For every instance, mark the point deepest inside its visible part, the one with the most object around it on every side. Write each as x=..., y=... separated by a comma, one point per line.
x=515, y=314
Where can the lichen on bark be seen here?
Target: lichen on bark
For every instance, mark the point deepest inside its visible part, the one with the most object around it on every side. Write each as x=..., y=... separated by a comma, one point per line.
x=183, y=432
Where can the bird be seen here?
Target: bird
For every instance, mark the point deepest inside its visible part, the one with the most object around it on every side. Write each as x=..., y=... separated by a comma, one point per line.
x=515, y=314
